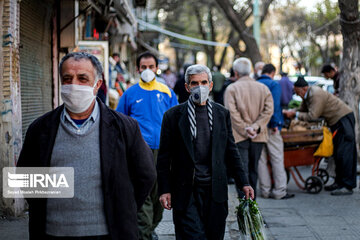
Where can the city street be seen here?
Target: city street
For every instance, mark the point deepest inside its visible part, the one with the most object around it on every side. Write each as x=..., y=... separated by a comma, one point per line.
x=107, y=105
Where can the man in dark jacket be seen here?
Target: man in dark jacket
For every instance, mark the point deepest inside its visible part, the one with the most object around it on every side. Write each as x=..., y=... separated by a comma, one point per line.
x=113, y=165
x=196, y=148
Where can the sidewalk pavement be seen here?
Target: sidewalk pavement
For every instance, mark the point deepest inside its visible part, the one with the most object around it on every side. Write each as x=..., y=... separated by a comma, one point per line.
x=307, y=217
x=313, y=216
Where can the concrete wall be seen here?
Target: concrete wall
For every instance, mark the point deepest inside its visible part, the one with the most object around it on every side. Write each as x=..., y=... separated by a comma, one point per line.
x=10, y=101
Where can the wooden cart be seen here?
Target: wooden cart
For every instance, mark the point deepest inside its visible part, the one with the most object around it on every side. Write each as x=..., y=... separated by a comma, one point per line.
x=299, y=147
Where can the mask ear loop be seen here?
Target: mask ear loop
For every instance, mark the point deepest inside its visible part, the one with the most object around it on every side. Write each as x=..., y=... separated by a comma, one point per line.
x=95, y=83
x=97, y=79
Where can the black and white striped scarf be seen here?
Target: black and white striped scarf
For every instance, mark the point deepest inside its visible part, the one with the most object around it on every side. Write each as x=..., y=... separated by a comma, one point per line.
x=192, y=117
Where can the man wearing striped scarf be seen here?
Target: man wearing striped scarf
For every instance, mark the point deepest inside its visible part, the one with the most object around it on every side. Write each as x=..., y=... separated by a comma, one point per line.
x=196, y=148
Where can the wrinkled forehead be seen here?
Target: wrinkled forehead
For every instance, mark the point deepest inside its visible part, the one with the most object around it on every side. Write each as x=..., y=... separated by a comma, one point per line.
x=199, y=77
x=77, y=64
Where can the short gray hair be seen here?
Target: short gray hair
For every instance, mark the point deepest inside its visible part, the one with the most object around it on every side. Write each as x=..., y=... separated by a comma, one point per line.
x=259, y=65
x=242, y=66
x=197, y=69
x=84, y=55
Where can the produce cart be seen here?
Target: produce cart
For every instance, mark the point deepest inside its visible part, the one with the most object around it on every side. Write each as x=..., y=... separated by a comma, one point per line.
x=299, y=147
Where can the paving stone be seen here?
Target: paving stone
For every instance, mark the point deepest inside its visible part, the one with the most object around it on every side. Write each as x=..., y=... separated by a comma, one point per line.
x=276, y=212
x=165, y=228
x=353, y=220
x=234, y=226
x=329, y=220
x=14, y=229
x=291, y=232
x=167, y=215
x=334, y=230
x=342, y=237
x=285, y=221
x=165, y=237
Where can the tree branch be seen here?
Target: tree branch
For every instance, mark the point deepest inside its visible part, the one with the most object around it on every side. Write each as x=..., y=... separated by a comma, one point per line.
x=201, y=29
x=265, y=10
x=313, y=40
x=212, y=34
x=223, y=55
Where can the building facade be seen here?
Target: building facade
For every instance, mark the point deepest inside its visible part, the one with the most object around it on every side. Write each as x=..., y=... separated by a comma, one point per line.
x=35, y=35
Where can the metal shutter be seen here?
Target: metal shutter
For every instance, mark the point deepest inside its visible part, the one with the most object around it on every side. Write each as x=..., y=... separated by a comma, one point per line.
x=35, y=60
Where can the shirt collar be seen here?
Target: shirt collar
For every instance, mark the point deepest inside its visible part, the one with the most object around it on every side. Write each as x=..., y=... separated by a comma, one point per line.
x=66, y=117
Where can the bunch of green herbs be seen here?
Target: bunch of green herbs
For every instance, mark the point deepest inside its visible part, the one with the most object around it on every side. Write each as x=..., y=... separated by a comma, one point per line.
x=251, y=223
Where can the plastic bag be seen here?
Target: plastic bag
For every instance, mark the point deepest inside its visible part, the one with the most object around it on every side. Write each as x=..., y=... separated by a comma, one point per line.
x=326, y=147
x=251, y=223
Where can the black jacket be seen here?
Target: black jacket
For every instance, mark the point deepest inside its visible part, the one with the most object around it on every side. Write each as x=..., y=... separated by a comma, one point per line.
x=175, y=165
x=127, y=169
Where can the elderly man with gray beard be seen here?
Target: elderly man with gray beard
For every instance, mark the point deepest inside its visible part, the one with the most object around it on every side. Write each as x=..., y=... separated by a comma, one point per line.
x=113, y=166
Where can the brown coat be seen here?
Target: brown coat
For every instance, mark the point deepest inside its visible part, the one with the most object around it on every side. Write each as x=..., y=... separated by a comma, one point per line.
x=319, y=103
x=251, y=105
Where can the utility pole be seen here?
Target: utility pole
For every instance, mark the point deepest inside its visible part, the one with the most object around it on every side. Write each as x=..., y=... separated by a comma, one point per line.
x=256, y=25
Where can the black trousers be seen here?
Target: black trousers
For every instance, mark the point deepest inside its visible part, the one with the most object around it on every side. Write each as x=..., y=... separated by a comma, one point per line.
x=345, y=154
x=203, y=219
x=250, y=152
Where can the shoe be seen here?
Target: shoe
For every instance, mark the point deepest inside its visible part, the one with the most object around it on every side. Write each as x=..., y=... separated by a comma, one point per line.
x=287, y=196
x=265, y=196
x=341, y=191
x=331, y=187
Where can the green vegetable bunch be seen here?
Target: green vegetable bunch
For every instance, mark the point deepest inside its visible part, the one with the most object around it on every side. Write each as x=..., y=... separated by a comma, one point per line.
x=250, y=221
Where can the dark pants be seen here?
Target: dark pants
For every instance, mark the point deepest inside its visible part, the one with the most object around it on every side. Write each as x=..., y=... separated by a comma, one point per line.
x=150, y=214
x=345, y=151
x=203, y=219
x=107, y=237
x=250, y=152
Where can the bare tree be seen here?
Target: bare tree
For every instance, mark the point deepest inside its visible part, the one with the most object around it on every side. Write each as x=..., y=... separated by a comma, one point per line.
x=350, y=69
x=210, y=50
x=238, y=21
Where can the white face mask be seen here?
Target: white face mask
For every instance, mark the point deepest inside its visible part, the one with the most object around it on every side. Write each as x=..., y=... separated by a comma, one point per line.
x=200, y=94
x=77, y=98
x=147, y=75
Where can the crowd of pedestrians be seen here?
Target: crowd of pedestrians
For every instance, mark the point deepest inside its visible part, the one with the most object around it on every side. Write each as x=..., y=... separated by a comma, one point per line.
x=170, y=128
